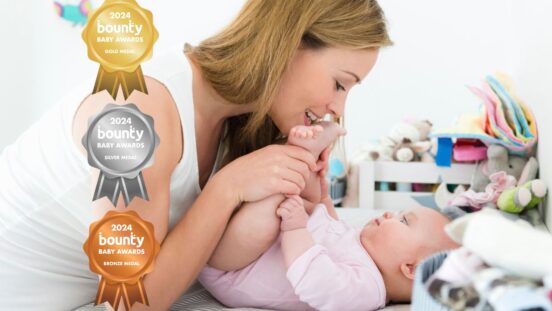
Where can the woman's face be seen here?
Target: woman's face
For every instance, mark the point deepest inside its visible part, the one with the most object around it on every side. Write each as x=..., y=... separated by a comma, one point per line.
x=317, y=83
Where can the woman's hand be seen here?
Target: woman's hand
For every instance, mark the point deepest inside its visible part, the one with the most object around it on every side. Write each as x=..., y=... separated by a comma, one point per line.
x=271, y=170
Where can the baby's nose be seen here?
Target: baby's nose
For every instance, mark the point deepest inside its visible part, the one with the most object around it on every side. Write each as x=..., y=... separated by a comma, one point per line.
x=388, y=215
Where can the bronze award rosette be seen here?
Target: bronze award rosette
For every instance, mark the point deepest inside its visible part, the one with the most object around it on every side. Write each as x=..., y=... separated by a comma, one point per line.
x=120, y=36
x=121, y=247
x=120, y=142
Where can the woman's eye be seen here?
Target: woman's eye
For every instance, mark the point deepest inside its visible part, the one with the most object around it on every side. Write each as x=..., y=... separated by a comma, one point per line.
x=338, y=86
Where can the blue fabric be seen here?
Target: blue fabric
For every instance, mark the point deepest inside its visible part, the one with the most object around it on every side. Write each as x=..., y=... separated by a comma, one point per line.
x=444, y=152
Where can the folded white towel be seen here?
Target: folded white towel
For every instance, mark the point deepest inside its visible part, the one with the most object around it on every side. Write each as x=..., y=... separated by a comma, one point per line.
x=514, y=246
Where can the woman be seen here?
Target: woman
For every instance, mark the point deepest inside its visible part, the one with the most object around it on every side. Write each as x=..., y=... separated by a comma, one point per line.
x=277, y=65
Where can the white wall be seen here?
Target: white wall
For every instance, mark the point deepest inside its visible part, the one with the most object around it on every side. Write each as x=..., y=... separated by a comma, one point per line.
x=533, y=76
x=440, y=46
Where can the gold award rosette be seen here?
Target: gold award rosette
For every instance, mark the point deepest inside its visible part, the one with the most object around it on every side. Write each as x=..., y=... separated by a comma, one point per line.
x=120, y=36
x=121, y=247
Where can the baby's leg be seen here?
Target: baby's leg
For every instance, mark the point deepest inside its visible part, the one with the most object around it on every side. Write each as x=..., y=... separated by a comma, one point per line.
x=250, y=232
x=255, y=226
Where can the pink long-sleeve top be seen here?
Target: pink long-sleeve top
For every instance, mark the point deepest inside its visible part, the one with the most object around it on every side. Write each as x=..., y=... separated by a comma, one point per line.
x=334, y=274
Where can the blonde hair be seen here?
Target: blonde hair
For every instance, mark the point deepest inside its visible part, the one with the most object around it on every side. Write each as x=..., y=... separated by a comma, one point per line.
x=244, y=63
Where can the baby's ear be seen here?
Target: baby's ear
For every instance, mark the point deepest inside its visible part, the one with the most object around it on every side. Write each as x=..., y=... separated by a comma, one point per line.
x=408, y=270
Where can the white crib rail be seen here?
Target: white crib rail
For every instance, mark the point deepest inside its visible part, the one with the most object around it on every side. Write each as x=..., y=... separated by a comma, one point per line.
x=405, y=172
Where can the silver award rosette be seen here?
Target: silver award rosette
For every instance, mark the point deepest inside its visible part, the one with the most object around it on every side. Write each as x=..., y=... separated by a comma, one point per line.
x=120, y=142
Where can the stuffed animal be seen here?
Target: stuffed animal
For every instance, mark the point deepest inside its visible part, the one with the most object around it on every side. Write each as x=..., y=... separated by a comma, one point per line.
x=407, y=151
x=415, y=130
x=527, y=196
x=407, y=141
x=499, y=160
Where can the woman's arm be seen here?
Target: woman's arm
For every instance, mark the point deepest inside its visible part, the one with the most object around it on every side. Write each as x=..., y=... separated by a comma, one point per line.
x=188, y=246
x=271, y=170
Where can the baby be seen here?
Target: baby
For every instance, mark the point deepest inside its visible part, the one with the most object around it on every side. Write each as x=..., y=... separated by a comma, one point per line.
x=274, y=256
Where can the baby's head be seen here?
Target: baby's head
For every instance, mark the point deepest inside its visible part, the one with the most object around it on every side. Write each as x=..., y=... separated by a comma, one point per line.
x=398, y=242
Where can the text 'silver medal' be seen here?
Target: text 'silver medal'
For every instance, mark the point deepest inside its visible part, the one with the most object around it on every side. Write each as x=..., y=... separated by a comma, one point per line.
x=120, y=141
x=120, y=36
x=121, y=247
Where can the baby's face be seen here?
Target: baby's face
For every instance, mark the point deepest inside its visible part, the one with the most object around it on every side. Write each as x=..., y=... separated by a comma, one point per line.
x=398, y=237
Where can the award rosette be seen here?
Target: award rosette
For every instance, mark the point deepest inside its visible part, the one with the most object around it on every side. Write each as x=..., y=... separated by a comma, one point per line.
x=121, y=247
x=120, y=36
x=120, y=142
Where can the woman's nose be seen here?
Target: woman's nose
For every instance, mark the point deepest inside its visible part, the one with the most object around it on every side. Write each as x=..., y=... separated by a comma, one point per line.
x=337, y=107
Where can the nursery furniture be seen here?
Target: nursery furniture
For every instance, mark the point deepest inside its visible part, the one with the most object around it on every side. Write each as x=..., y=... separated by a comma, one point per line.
x=405, y=172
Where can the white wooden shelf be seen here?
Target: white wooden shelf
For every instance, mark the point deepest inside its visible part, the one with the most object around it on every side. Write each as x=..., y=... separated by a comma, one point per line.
x=405, y=172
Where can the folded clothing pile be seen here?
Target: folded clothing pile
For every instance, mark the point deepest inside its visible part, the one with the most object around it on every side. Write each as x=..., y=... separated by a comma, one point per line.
x=502, y=265
x=504, y=119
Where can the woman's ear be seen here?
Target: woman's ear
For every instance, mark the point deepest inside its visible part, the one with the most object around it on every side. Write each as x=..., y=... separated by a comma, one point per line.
x=408, y=270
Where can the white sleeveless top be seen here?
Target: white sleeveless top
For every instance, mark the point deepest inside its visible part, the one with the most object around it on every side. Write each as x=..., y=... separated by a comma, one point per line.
x=46, y=190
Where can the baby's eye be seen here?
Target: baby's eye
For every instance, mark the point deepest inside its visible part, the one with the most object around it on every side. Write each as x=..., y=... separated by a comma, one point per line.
x=404, y=221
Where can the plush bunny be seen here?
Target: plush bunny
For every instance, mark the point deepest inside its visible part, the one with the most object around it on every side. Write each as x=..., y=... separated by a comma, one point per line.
x=499, y=160
x=526, y=196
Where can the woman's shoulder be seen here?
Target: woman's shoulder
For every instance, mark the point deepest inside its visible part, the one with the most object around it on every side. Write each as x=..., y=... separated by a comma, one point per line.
x=167, y=65
x=157, y=103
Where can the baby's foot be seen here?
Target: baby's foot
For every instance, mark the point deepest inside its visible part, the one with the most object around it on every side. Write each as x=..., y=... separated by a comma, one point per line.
x=317, y=137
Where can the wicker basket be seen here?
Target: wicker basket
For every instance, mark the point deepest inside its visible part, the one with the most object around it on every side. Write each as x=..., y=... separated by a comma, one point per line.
x=421, y=299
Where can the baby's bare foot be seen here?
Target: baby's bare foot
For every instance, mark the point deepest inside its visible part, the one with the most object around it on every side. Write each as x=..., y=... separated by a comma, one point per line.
x=317, y=137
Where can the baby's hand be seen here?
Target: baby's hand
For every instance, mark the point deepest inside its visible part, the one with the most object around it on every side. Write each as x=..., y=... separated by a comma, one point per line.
x=293, y=214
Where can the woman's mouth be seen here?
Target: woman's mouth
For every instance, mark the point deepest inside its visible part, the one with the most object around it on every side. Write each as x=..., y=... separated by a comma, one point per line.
x=310, y=118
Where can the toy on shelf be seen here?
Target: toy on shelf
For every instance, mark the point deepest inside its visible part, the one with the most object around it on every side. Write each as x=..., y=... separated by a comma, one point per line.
x=527, y=196
x=498, y=160
x=503, y=181
x=407, y=141
x=74, y=13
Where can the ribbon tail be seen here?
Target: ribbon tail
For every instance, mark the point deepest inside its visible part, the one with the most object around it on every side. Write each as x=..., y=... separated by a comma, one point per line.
x=107, y=187
x=133, y=293
x=134, y=187
x=110, y=293
x=131, y=81
x=109, y=81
